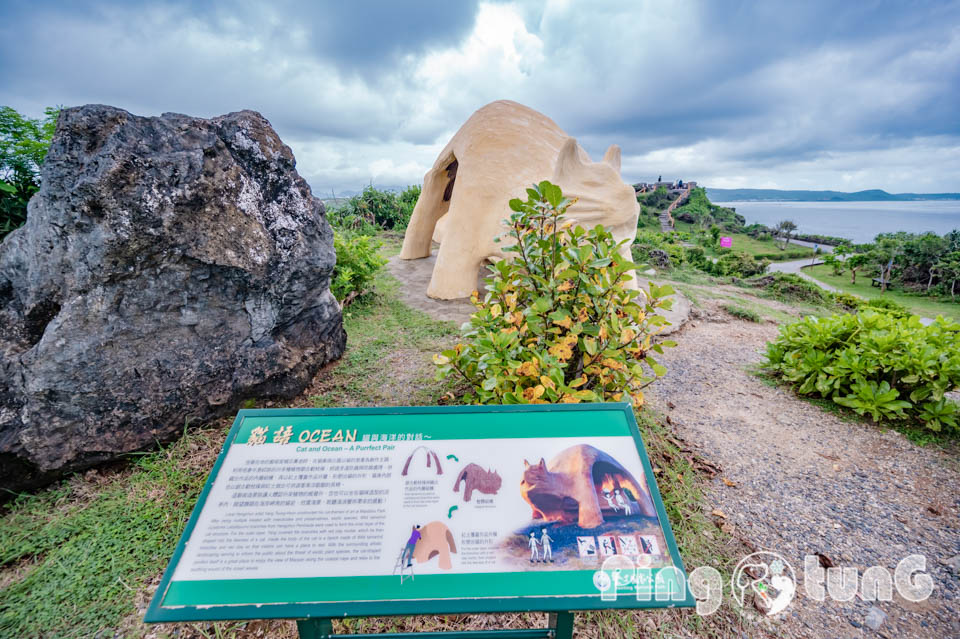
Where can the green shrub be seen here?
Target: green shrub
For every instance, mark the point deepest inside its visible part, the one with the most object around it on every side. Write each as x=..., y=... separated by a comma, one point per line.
x=357, y=263
x=375, y=209
x=742, y=313
x=697, y=257
x=789, y=287
x=887, y=305
x=847, y=301
x=557, y=324
x=877, y=364
x=784, y=255
x=730, y=263
x=648, y=241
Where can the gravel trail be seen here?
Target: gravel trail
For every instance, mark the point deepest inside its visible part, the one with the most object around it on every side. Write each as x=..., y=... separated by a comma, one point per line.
x=807, y=481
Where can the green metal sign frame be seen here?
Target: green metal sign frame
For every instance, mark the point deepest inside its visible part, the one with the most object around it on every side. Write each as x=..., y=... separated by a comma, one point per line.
x=315, y=616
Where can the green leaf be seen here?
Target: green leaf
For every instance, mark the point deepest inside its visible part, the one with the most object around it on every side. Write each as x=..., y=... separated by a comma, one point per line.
x=541, y=305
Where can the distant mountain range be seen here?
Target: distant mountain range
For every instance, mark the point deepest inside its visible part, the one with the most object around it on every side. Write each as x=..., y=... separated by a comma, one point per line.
x=775, y=195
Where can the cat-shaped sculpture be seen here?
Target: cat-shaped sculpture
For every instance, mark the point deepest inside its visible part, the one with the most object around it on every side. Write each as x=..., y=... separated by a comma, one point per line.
x=501, y=150
x=476, y=478
x=570, y=487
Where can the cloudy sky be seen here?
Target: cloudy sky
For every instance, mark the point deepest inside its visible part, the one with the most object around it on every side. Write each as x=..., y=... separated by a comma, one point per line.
x=841, y=95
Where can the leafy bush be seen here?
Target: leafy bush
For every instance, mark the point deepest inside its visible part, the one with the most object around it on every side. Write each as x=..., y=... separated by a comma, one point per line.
x=847, y=301
x=557, y=324
x=789, y=287
x=875, y=363
x=645, y=248
x=742, y=313
x=741, y=265
x=886, y=305
x=357, y=263
x=730, y=263
x=783, y=255
x=375, y=209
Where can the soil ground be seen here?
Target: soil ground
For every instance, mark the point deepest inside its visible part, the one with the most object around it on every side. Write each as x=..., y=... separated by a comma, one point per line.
x=799, y=480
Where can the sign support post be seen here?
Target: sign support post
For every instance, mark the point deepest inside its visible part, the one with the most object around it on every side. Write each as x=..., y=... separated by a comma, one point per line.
x=560, y=627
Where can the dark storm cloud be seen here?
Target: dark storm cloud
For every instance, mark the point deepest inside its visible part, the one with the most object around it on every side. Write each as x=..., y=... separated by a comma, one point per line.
x=369, y=90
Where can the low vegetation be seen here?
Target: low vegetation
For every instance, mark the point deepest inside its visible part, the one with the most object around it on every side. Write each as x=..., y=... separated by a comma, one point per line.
x=703, y=213
x=358, y=261
x=558, y=325
x=742, y=313
x=375, y=210
x=875, y=363
x=788, y=287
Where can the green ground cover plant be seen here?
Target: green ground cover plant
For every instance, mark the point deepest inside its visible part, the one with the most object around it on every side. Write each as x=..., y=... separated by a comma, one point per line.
x=558, y=324
x=874, y=363
x=743, y=313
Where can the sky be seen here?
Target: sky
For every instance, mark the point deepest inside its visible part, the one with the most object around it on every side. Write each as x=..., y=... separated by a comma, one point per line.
x=800, y=95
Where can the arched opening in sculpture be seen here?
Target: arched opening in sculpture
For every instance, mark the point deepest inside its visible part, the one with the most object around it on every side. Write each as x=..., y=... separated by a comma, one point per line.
x=608, y=479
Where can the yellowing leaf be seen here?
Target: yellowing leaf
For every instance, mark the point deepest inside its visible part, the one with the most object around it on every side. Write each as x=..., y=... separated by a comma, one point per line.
x=440, y=360
x=546, y=381
x=528, y=369
x=566, y=285
x=566, y=322
x=580, y=381
x=495, y=310
x=612, y=363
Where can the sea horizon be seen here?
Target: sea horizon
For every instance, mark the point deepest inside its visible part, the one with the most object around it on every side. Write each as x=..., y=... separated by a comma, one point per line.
x=857, y=221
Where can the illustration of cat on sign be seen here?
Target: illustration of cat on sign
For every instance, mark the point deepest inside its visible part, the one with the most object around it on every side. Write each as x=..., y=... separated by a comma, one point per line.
x=570, y=488
x=474, y=477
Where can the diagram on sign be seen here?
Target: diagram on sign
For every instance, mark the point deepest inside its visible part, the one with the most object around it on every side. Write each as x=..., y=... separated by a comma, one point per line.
x=428, y=454
x=476, y=478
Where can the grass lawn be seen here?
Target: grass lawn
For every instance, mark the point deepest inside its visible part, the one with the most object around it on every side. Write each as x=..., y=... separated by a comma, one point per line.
x=752, y=246
x=82, y=558
x=925, y=306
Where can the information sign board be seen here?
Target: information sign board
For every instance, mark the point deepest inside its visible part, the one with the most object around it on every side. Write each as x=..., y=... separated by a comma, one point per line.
x=425, y=510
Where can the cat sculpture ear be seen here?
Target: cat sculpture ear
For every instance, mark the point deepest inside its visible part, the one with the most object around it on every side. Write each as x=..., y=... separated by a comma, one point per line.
x=612, y=157
x=543, y=463
x=569, y=162
x=526, y=464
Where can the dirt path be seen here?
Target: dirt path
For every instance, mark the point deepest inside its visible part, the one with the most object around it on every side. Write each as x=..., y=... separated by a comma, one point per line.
x=807, y=481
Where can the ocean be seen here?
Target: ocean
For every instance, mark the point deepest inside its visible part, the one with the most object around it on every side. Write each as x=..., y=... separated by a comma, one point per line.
x=858, y=221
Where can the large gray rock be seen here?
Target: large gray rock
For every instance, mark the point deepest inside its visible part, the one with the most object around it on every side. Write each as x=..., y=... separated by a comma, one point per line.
x=169, y=268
